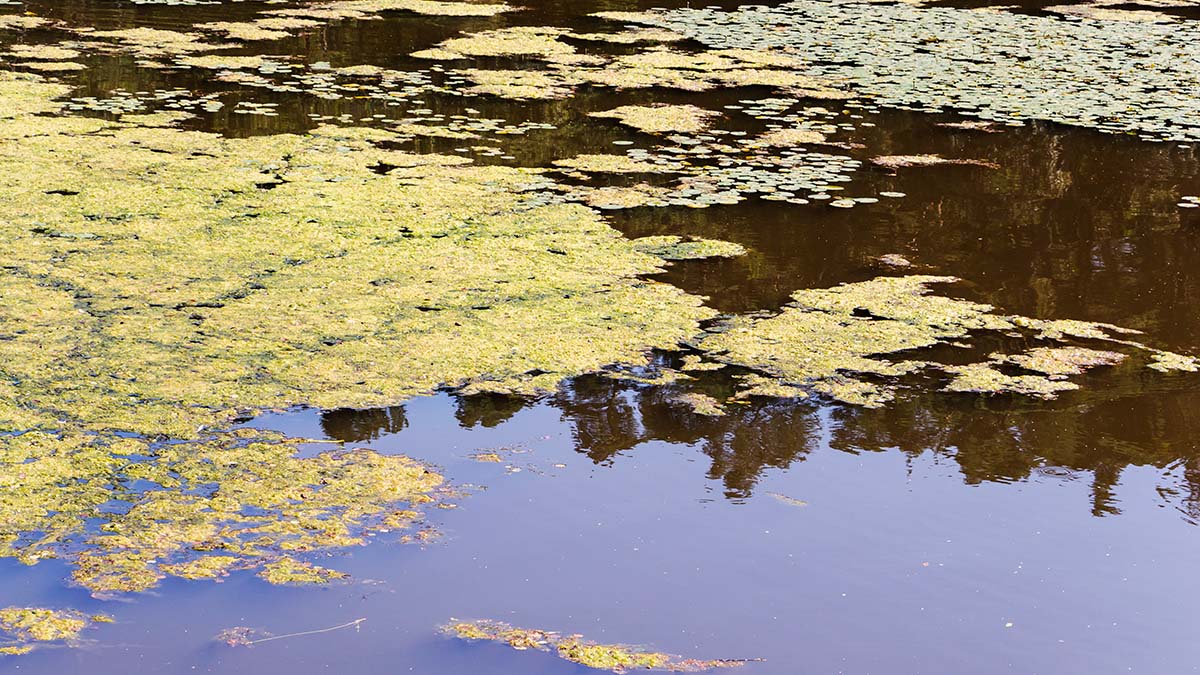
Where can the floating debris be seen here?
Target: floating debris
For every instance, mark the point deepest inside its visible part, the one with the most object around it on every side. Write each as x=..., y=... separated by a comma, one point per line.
x=244, y=636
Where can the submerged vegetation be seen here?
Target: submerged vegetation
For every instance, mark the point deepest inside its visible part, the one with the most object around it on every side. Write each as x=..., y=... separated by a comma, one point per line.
x=574, y=648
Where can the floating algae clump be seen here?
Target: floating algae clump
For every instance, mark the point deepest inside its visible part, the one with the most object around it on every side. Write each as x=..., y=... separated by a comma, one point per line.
x=1062, y=361
x=658, y=119
x=614, y=658
x=671, y=247
x=200, y=509
x=529, y=41
x=984, y=378
x=839, y=342
x=22, y=628
x=519, y=84
x=288, y=570
x=702, y=404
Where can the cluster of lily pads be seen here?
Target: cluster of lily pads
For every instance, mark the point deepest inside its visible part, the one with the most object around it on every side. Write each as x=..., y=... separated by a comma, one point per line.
x=1122, y=76
x=718, y=166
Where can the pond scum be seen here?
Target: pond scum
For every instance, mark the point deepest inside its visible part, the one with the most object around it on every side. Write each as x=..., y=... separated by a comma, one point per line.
x=160, y=284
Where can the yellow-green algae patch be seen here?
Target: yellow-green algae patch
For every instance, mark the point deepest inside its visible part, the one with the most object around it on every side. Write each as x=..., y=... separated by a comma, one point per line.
x=155, y=290
x=1166, y=362
x=844, y=342
x=632, y=36
x=173, y=291
x=22, y=629
x=574, y=648
x=658, y=119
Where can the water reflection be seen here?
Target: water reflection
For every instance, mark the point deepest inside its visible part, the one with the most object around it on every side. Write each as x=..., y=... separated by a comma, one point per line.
x=1092, y=438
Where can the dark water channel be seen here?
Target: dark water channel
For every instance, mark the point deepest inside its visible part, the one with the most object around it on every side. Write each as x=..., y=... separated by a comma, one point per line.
x=938, y=535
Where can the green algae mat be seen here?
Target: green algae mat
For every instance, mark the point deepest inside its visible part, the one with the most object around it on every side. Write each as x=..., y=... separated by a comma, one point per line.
x=162, y=284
